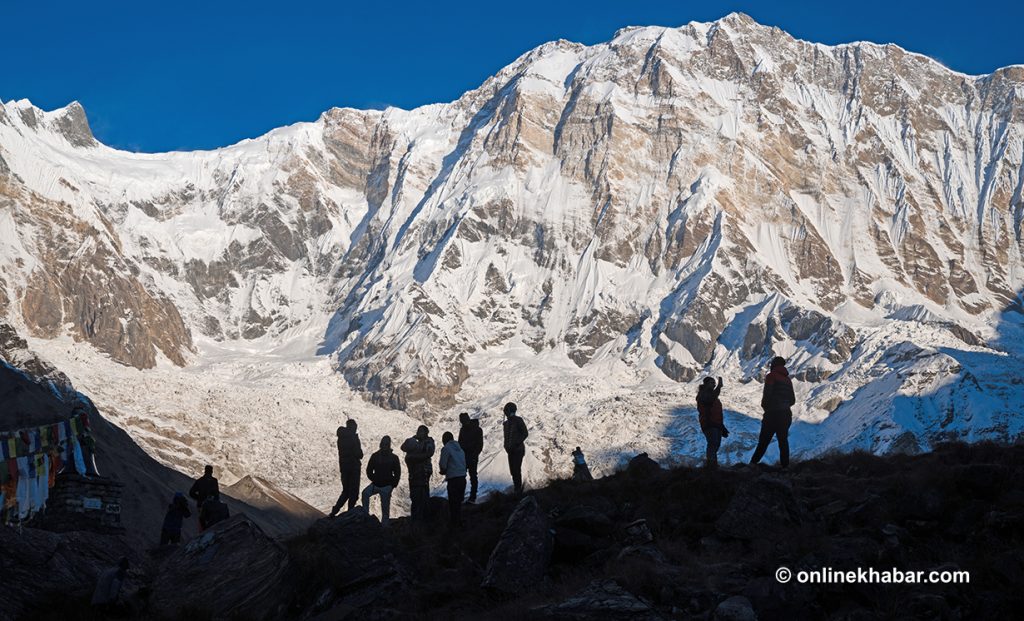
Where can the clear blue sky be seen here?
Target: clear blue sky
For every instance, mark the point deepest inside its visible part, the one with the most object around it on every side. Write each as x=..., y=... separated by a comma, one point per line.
x=156, y=75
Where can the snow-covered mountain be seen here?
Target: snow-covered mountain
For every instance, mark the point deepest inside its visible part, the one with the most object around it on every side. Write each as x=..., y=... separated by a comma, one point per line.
x=588, y=232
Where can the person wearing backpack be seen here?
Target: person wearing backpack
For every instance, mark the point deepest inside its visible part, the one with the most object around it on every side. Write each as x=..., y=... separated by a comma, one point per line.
x=777, y=399
x=418, y=451
x=515, y=432
x=709, y=412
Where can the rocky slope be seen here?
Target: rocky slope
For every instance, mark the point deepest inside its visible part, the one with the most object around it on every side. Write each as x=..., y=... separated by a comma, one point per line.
x=587, y=228
x=646, y=543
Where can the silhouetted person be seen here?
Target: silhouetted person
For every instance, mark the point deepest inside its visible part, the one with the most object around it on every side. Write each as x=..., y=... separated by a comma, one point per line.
x=580, y=470
x=453, y=466
x=776, y=401
x=212, y=512
x=418, y=451
x=471, y=439
x=204, y=487
x=384, y=471
x=515, y=432
x=106, y=596
x=173, y=519
x=350, y=463
x=709, y=410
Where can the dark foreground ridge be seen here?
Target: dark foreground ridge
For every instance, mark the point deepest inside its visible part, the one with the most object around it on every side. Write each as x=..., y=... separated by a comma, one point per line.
x=645, y=543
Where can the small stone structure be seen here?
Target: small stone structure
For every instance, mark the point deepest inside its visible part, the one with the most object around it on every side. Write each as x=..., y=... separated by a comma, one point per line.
x=82, y=503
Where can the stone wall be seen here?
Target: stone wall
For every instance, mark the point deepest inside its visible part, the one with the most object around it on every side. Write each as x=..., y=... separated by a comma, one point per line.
x=82, y=503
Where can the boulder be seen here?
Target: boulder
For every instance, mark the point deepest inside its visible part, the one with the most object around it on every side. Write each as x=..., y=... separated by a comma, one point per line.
x=524, y=550
x=358, y=561
x=642, y=465
x=735, y=608
x=760, y=509
x=601, y=599
x=40, y=568
x=233, y=569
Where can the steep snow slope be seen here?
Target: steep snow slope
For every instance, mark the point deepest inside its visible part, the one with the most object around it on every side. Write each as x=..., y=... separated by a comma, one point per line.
x=588, y=232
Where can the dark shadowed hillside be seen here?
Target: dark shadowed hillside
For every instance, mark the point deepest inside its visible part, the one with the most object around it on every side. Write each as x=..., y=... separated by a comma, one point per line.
x=645, y=543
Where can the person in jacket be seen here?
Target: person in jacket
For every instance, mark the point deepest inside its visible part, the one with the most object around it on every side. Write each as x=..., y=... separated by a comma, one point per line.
x=776, y=400
x=418, y=451
x=204, y=487
x=173, y=519
x=212, y=512
x=580, y=469
x=709, y=411
x=471, y=439
x=384, y=471
x=515, y=432
x=453, y=466
x=350, y=464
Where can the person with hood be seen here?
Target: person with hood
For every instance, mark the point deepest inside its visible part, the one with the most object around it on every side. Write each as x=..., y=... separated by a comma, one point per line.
x=204, y=487
x=173, y=520
x=709, y=412
x=212, y=512
x=471, y=439
x=418, y=451
x=515, y=432
x=453, y=466
x=580, y=469
x=776, y=400
x=350, y=463
x=385, y=472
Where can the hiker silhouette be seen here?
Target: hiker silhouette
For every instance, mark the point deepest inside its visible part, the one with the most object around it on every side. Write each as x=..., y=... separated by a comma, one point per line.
x=204, y=487
x=453, y=466
x=777, y=400
x=515, y=432
x=712, y=425
x=350, y=465
x=580, y=470
x=471, y=439
x=418, y=451
x=177, y=511
x=385, y=472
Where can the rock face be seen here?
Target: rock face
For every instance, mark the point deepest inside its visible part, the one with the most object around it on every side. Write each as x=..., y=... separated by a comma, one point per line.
x=521, y=557
x=231, y=569
x=601, y=600
x=41, y=569
x=762, y=506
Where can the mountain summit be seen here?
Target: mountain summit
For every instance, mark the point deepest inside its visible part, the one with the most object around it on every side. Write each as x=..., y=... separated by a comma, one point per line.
x=618, y=217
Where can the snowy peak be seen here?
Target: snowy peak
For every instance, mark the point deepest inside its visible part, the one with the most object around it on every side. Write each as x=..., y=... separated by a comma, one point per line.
x=69, y=122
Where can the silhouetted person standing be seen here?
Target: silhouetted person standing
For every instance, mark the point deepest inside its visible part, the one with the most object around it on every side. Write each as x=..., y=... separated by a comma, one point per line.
x=709, y=411
x=384, y=471
x=418, y=451
x=350, y=463
x=173, y=519
x=204, y=487
x=471, y=439
x=580, y=469
x=515, y=432
x=453, y=466
x=776, y=400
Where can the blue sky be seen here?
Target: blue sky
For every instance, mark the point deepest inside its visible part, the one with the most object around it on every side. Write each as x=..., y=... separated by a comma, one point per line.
x=161, y=75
